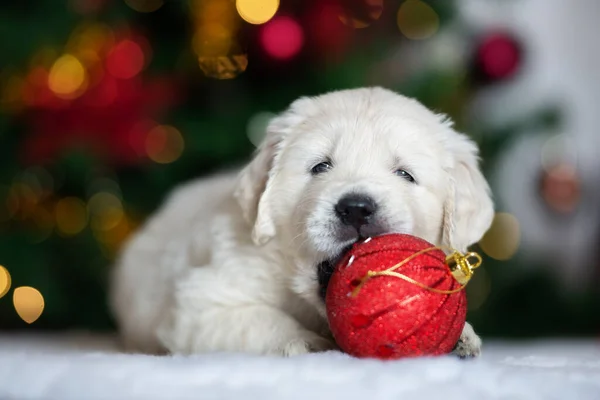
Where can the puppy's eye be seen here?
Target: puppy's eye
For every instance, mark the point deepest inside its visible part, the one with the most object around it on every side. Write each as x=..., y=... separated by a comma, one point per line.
x=402, y=173
x=321, y=167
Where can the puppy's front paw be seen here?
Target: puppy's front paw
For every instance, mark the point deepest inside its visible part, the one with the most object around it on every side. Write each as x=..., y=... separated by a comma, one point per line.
x=469, y=344
x=307, y=343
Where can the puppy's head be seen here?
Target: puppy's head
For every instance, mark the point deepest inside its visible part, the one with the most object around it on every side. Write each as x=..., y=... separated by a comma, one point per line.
x=356, y=163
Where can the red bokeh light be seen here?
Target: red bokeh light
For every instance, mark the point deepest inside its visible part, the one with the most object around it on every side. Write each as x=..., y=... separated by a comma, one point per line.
x=125, y=60
x=282, y=38
x=499, y=56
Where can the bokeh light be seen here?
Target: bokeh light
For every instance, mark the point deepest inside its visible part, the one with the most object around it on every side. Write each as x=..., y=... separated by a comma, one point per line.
x=257, y=11
x=502, y=240
x=103, y=184
x=560, y=187
x=145, y=6
x=67, y=77
x=257, y=127
x=71, y=215
x=125, y=60
x=282, y=38
x=499, y=56
x=112, y=239
x=164, y=144
x=29, y=303
x=417, y=20
x=479, y=289
x=360, y=13
x=106, y=211
x=5, y=281
x=42, y=224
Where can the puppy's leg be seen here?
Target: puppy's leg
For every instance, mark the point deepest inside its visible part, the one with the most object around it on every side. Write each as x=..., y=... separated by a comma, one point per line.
x=469, y=344
x=216, y=311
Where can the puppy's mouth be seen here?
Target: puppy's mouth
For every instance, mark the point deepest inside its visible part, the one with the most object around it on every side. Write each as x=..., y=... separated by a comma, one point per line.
x=325, y=270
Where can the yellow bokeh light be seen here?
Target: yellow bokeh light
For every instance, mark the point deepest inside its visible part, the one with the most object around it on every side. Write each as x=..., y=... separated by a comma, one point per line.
x=67, y=77
x=164, y=144
x=106, y=211
x=502, y=240
x=417, y=20
x=5, y=281
x=29, y=303
x=257, y=11
x=71, y=215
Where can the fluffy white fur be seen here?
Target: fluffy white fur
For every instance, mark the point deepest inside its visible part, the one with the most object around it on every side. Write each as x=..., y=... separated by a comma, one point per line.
x=229, y=263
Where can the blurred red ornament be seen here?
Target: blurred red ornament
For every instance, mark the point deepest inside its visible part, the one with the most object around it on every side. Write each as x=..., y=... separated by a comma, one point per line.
x=282, y=37
x=560, y=188
x=375, y=313
x=498, y=57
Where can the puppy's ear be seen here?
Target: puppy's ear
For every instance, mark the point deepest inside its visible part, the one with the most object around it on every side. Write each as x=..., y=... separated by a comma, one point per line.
x=468, y=209
x=254, y=187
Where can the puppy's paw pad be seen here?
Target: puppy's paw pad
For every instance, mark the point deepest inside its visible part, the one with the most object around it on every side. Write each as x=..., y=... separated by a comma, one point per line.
x=469, y=344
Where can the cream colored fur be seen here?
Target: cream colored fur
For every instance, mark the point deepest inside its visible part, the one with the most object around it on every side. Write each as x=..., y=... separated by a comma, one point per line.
x=229, y=263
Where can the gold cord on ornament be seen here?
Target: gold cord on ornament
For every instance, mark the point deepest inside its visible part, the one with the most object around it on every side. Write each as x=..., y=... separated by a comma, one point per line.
x=461, y=266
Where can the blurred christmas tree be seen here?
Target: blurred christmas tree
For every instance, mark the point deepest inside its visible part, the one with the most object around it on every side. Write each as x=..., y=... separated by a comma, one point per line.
x=108, y=104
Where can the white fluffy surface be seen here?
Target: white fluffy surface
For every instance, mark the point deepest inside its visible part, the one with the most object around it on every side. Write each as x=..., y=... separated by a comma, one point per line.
x=89, y=367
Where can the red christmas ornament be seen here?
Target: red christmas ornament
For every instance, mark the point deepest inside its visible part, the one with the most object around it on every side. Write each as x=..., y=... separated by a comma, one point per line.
x=498, y=57
x=396, y=296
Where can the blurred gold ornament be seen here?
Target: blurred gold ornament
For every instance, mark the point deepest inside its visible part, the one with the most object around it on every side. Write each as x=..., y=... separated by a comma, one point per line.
x=360, y=13
x=417, y=20
x=145, y=6
x=67, y=77
x=29, y=303
x=257, y=11
x=502, y=240
x=225, y=67
x=560, y=188
x=164, y=144
x=71, y=215
x=5, y=281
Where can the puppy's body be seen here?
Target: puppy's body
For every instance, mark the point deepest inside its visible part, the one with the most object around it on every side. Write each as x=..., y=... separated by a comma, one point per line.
x=232, y=263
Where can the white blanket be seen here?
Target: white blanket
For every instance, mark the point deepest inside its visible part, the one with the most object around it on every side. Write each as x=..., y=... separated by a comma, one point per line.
x=88, y=367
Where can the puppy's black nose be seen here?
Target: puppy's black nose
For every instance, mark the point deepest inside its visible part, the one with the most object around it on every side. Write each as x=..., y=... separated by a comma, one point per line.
x=355, y=210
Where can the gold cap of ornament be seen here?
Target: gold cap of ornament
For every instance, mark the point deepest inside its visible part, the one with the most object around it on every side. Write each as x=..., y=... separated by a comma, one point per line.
x=462, y=266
